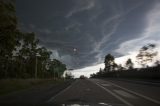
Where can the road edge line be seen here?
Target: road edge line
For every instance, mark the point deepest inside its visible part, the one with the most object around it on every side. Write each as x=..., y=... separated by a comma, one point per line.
x=138, y=94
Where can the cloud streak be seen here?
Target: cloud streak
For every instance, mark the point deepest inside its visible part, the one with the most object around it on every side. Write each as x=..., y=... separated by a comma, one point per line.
x=149, y=35
x=114, y=23
x=81, y=6
x=94, y=27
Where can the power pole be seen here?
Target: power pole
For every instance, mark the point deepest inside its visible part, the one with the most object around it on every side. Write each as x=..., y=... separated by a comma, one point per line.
x=37, y=54
x=36, y=68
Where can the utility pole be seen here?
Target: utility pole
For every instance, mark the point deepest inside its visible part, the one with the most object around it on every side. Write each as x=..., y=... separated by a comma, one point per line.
x=37, y=54
x=36, y=68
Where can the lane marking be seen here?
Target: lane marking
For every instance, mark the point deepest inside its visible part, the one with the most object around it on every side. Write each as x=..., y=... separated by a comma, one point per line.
x=101, y=103
x=115, y=95
x=125, y=94
x=138, y=94
x=105, y=84
x=52, y=98
x=143, y=82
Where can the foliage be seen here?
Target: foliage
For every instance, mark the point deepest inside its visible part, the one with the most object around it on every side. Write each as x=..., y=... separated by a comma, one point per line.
x=69, y=75
x=56, y=68
x=129, y=64
x=109, y=63
x=146, y=54
x=8, y=32
x=20, y=53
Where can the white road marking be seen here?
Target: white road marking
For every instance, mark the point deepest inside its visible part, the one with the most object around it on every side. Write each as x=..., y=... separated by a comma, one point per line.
x=105, y=84
x=101, y=103
x=125, y=94
x=76, y=105
x=115, y=95
x=138, y=94
x=52, y=98
x=145, y=82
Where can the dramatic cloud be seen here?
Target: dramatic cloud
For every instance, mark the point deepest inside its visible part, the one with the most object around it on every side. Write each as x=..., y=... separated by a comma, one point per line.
x=93, y=27
x=151, y=33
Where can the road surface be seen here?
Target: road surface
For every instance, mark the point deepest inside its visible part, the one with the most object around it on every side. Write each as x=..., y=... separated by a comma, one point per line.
x=95, y=92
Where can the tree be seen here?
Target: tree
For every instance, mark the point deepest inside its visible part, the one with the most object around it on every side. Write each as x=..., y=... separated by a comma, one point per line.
x=69, y=75
x=43, y=60
x=129, y=64
x=120, y=67
x=100, y=72
x=109, y=63
x=157, y=63
x=26, y=53
x=56, y=68
x=93, y=75
x=146, y=54
x=18, y=50
x=8, y=34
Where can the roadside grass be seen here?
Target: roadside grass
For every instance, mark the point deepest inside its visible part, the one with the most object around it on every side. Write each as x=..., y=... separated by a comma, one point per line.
x=11, y=85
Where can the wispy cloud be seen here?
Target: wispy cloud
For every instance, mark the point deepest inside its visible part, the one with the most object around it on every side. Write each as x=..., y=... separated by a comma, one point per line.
x=81, y=5
x=106, y=38
x=149, y=35
x=107, y=34
x=91, y=26
x=116, y=21
x=72, y=26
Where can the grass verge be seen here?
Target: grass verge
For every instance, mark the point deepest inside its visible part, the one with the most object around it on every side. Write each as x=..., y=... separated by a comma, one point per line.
x=11, y=85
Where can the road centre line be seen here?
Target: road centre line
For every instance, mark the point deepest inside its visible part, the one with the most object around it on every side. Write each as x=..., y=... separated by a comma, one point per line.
x=138, y=94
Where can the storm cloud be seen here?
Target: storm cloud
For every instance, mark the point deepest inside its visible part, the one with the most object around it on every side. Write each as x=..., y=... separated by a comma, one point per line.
x=93, y=27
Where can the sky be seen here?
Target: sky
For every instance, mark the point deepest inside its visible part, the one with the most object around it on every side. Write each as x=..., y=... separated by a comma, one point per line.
x=81, y=32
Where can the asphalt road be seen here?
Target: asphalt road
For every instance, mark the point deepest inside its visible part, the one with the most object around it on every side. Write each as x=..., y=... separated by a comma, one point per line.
x=94, y=92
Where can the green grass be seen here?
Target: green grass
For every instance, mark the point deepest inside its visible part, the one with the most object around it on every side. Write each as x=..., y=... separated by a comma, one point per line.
x=11, y=85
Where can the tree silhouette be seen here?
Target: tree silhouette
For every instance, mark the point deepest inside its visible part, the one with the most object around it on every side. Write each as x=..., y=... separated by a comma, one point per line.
x=56, y=68
x=8, y=33
x=109, y=63
x=146, y=54
x=18, y=50
x=69, y=75
x=113, y=70
x=129, y=64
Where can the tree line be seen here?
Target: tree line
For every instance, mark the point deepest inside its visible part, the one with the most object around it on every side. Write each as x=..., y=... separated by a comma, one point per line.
x=20, y=53
x=146, y=55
